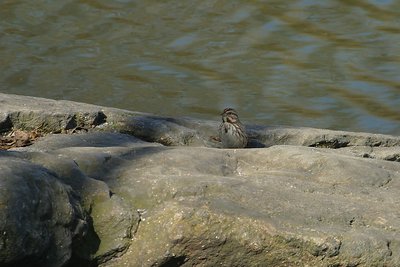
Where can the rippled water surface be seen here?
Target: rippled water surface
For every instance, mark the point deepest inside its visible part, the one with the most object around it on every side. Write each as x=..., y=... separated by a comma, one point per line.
x=329, y=64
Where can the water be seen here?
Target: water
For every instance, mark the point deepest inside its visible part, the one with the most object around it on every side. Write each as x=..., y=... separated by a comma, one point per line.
x=326, y=64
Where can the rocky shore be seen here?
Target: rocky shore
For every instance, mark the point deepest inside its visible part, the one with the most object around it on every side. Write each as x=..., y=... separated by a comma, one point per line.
x=107, y=187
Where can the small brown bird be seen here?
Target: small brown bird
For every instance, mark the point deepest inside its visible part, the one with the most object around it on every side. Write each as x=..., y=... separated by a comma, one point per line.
x=231, y=131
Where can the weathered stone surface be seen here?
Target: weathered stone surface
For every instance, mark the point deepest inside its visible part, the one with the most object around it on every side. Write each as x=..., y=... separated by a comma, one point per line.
x=111, y=219
x=294, y=202
x=56, y=116
x=39, y=217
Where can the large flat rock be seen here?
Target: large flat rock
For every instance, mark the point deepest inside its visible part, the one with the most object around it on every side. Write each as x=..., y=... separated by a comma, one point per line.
x=154, y=191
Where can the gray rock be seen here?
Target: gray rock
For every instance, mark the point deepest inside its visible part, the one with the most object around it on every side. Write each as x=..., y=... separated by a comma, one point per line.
x=39, y=216
x=111, y=219
x=154, y=191
x=60, y=116
x=280, y=206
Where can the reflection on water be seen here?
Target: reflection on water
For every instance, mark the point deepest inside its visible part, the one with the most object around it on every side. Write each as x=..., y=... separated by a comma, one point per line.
x=329, y=64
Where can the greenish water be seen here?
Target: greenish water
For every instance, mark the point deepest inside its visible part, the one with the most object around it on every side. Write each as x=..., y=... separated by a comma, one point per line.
x=327, y=64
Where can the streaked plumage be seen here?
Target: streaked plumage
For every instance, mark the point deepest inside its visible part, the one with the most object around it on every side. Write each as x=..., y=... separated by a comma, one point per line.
x=231, y=131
